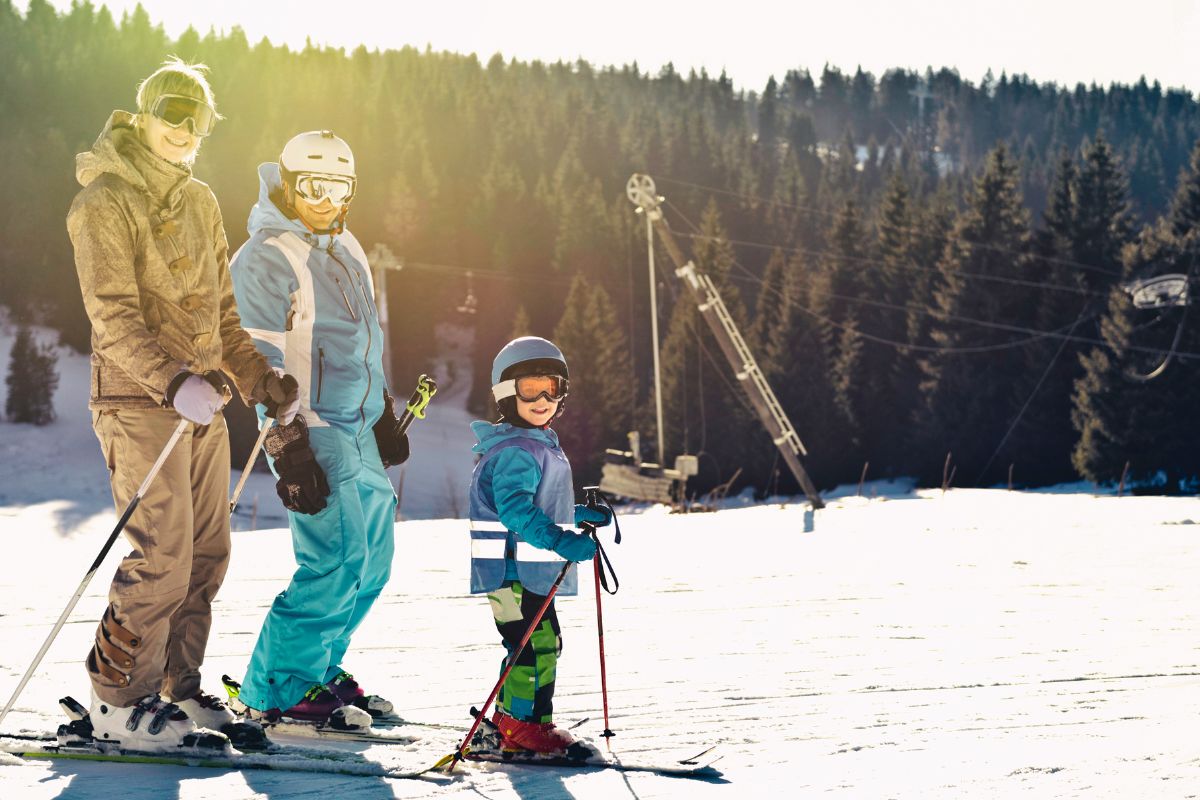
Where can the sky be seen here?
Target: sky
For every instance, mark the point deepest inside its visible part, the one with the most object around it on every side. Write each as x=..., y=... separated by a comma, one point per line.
x=1061, y=41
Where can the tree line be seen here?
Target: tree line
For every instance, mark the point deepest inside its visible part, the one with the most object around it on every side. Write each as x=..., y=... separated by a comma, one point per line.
x=929, y=269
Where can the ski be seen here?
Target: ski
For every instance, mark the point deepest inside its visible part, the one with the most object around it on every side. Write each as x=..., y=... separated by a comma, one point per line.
x=312, y=730
x=278, y=757
x=386, y=721
x=485, y=747
x=74, y=740
x=686, y=768
x=385, y=729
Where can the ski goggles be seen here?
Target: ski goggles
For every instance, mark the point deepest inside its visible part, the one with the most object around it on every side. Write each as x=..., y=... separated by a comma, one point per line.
x=316, y=187
x=532, y=387
x=176, y=109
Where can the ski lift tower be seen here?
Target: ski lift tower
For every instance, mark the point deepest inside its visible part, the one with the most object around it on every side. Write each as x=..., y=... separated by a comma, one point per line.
x=383, y=260
x=641, y=192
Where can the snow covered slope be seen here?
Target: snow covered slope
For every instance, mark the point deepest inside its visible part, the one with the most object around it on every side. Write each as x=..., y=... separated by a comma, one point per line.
x=911, y=645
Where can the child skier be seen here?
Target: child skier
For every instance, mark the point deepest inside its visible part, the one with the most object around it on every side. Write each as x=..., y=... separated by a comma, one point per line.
x=522, y=500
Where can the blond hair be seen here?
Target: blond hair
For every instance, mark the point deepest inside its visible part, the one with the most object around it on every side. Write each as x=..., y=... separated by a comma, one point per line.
x=175, y=76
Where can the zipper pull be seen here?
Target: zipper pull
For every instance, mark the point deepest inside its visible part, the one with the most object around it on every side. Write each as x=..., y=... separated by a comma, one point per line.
x=345, y=298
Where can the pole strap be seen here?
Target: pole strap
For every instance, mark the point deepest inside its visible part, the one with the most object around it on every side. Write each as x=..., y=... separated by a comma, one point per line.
x=606, y=567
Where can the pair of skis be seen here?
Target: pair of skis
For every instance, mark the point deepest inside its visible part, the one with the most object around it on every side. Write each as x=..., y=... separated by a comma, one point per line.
x=484, y=745
x=74, y=742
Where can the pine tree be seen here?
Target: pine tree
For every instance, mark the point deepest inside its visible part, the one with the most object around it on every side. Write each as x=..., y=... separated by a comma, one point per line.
x=970, y=398
x=768, y=115
x=1104, y=402
x=844, y=273
x=1103, y=222
x=893, y=372
x=1102, y=412
x=32, y=380
x=603, y=392
x=1046, y=429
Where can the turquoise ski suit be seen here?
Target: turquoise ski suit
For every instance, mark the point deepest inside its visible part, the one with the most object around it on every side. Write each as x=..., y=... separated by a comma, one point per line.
x=307, y=300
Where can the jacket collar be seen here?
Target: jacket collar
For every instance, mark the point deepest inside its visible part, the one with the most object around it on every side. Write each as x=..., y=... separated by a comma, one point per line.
x=490, y=434
x=266, y=215
x=119, y=150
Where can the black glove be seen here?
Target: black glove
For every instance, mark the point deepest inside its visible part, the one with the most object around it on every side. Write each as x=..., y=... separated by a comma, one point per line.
x=393, y=445
x=301, y=486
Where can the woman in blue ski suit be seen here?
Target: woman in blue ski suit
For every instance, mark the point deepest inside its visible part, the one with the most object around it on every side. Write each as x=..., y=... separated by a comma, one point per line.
x=522, y=503
x=306, y=297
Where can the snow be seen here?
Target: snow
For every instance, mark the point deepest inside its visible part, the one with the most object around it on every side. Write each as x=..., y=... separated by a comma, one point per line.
x=905, y=643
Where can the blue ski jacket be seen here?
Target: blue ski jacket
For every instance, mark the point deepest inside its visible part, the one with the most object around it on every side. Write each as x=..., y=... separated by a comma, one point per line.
x=308, y=302
x=522, y=498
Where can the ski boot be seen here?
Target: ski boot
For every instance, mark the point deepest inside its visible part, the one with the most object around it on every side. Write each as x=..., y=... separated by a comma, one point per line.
x=319, y=707
x=206, y=710
x=151, y=725
x=537, y=737
x=209, y=711
x=350, y=693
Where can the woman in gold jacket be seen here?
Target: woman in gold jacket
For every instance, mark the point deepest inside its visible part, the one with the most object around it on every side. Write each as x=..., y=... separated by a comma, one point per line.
x=152, y=259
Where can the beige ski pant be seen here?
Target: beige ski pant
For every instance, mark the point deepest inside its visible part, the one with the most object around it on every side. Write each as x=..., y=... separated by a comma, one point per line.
x=153, y=634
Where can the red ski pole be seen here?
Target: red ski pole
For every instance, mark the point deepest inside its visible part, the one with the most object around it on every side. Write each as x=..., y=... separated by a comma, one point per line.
x=603, y=676
x=592, y=503
x=512, y=662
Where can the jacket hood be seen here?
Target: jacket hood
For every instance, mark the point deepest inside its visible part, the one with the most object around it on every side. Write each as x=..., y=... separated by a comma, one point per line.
x=120, y=151
x=265, y=215
x=491, y=434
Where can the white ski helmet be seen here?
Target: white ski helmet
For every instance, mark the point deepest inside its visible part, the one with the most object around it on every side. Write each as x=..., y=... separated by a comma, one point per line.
x=320, y=152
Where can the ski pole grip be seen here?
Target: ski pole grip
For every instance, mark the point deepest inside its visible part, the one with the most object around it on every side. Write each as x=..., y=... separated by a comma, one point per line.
x=426, y=389
x=589, y=499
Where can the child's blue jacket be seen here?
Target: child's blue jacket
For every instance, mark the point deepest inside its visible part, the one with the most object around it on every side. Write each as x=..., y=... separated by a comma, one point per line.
x=522, y=498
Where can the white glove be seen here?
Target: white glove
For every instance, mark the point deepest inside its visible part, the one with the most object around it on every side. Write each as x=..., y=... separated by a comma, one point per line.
x=197, y=400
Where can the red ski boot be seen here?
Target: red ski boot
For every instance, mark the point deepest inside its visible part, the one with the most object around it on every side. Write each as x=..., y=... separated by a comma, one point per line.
x=538, y=737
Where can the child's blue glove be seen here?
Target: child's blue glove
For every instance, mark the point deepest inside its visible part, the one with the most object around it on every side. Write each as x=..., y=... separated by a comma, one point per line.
x=599, y=516
x=575, y=546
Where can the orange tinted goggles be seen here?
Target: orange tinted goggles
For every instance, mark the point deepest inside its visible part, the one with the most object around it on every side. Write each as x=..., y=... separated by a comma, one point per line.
x=531, y=387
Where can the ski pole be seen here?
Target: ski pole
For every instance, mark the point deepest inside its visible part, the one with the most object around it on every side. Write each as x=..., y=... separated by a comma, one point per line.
x=415, y=408
x=237, y=491
x=512, y=662
x=608, y=734
x=591, y=493
x=129, y=509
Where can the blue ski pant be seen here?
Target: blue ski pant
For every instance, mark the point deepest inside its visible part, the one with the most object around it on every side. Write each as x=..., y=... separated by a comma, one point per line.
x=343, y=557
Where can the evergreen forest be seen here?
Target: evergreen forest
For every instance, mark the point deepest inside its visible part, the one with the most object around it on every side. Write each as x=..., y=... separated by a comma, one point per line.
x=931, y=268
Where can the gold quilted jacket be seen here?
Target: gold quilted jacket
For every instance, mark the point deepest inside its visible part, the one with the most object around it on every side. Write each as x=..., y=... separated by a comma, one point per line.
x=153, y=266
